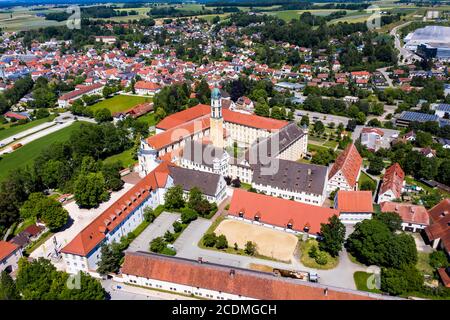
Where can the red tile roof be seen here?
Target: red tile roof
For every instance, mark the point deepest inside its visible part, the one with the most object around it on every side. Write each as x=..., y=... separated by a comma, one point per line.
x=78, y=93
x=95, y=232
x=178, y=133
x=201, y=110
x=354, y=201
x=247, y=283
x=6, y=249
x=147, y=85
x=408, y=212
x=393, y=180
x=373, y=130
x=440, y=223
x=445, y=277
x=184, y=116
x=279, y=212
x=349, y=163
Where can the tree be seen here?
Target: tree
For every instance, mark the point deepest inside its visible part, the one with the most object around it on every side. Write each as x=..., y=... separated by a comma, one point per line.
x=262, y=108
x=90, y=190
x=174, y=197
x=323, y=157
x=203, y=93
x=333, y=236
x=195, y=197
x=149, y=214
x=376, y=165
x=177, y=227
x=319, y=127
x=401, y=281
x=89, y=289
x=49, y=210
x=169, y=236
x=304, y=121
x=369, y=185
x=111, y=173
x=221, y=242
x=8, y=290
x=103, y=115
x=423, y=139
x=391, y=219
x=210, y=239
x=157, y=245
x=188, y=215
x=250, y=248
x=110, y=259
x=438, y=259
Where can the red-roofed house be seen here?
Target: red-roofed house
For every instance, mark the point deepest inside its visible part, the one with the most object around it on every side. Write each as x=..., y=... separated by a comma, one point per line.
x=122, y=217
x=147, y=88
x=392, y=185
x=345, y=171
x=66, y=99
x=414, y=217
x=438, y=232
x=281, y=214
x=371, y=138
x=10, y=254
x=354, y=206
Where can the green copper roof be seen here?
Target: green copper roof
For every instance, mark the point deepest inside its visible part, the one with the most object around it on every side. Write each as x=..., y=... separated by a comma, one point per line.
x=215, y=93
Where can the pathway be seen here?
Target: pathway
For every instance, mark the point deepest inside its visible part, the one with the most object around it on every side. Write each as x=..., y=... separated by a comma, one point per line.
x=156, y=229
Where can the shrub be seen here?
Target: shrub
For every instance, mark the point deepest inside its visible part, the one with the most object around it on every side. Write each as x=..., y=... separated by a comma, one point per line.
x=188, y=215
x=438, y=259
x=321, y=258
x=210, y=240
x=169, y=236
x=313, y=252
x=177, y=227
x=250, y=248
x=222, y=242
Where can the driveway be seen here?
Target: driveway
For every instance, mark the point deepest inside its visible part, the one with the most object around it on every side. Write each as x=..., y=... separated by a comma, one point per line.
x=186, y=246
x=80, y=219
x=156, y=229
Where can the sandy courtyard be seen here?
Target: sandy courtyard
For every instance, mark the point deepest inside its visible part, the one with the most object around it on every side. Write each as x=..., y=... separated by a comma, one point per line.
x=270, y=243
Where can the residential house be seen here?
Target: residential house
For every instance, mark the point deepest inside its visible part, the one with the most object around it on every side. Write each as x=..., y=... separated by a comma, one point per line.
x=10, y=254
x=345, y=171
x=414, y=217
x=392, y=184
x=438, y=232
x=353, y=206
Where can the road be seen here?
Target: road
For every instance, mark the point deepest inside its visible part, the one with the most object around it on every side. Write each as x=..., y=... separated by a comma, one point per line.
x=408, y=56
x=187, y=247
x=325, y=118
x=62, y=121
x=156, y=229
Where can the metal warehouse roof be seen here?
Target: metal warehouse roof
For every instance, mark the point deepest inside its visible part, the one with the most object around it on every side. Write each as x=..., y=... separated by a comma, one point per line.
x=417, y=116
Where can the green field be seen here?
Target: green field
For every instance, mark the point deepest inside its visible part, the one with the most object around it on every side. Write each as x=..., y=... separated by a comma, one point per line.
x=29, y=152
x=119, y=103
x=361, y=278
x=148, y=118
x=12, y=130
x=126, y=158
x=364, y=177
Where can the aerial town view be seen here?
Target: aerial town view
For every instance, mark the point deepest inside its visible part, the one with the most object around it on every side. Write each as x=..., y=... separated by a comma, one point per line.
x=224, y=150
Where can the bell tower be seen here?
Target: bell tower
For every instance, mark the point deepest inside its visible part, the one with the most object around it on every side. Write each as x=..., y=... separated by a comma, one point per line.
x=216, y=120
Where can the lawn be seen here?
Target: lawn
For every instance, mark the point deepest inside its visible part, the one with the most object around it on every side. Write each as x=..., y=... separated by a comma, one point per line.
x=148, y=118
x=315, y=148
x=331, y=144
x=309, y=262
x=423, y=263
x=12, y=130
x=360, y=278
x=126, y=158
x=119, y=103
x=364, y=177
x=29, y=152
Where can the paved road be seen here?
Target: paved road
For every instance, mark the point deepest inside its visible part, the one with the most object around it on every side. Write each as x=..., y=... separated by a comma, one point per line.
x=156, y=229
x=25, y=133
x=62, y=121
x=408, y=56
x=127, y=292
x=186, y=246
x=325, y=118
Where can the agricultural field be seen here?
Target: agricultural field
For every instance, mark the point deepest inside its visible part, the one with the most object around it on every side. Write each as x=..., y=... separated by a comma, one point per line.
x=25, y=19
x=120, y=103
x=29, y=152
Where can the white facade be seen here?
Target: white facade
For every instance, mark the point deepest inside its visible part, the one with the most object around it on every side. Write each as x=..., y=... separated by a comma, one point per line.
x=180, y=288
x=413, y=227
x=339, y=181
x=10, y=262
x=76, y=263
x=219, y=165
x=304, y=197
x=388, y=195
x=354, y=217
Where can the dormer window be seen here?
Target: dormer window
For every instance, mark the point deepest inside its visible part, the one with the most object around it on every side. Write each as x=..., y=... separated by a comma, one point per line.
x=257, y=217
x=289, y=225
x=241, y=214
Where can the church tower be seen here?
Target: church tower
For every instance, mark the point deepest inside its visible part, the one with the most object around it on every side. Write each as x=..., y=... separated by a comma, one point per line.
x=216, y=120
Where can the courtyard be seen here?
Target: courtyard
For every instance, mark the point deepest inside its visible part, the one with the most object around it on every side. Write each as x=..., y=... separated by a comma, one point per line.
x=270, y=243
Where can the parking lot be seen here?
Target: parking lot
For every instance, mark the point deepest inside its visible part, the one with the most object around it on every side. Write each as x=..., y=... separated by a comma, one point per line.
x=156, y=229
